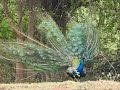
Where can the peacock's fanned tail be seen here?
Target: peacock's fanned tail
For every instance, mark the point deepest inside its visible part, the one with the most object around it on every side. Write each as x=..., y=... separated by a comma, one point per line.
x=81, y=40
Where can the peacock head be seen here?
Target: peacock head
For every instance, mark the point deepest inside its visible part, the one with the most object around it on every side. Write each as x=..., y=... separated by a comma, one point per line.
x=77, y=69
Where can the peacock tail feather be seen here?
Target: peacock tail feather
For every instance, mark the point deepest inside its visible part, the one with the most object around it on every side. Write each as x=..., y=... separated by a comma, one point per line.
x=81, y=40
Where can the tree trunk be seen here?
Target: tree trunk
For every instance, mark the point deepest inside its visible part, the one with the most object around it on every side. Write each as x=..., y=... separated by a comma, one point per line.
x=30, y=28
x=5, y=7
x=19, y=72
x=19, y=66
x=31, y=19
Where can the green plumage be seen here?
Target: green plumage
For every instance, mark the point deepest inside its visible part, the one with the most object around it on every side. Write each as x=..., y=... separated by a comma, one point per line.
x=80, y=40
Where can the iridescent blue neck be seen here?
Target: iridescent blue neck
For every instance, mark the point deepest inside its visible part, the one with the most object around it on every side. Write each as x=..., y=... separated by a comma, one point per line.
x=81, y=66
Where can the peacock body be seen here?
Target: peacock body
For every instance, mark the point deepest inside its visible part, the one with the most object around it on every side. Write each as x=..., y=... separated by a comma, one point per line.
x=69, y=53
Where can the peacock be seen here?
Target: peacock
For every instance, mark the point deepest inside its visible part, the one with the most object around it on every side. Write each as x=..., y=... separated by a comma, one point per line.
x=69, y=53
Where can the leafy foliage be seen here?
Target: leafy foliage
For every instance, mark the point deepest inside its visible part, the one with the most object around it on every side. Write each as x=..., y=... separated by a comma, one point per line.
x=5, y=31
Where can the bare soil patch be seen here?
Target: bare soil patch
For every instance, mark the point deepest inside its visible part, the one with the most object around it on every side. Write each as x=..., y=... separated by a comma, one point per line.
x=66, y=85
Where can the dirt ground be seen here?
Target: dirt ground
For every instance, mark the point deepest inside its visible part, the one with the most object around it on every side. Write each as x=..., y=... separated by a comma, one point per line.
x=66, y=85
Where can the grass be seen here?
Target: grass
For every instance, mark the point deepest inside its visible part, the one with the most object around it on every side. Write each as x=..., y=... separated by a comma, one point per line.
x=67, y=85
